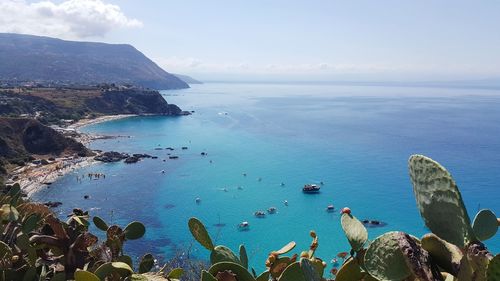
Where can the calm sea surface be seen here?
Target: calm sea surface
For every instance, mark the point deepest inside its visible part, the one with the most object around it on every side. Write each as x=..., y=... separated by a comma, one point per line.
x=355, y=139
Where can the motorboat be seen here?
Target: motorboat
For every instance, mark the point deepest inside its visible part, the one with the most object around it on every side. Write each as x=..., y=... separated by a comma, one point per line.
x=243, y=226
x=311, y=188
x=260, y=214
x=272, y=210
x=330, y=208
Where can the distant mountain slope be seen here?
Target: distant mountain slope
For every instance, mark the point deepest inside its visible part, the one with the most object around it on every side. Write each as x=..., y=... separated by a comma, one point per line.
x=28, y=58
x=187, y=79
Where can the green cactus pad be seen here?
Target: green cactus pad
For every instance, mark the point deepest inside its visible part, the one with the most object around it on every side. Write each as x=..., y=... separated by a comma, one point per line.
x=485, y=224
x=439, y=201
x=106, y=269
x=354, y=230
x=493, y=272
x=200, y=233
x=287, y=248
x=223, y=254
x=293, y=272
x=349, y=271
x=100, y=223
x=82, y=275
x=243, y=256
x=384, y=260
x=446, y=255
x=242, y=273
x=205, y=276
x=175, y=273
x=134, y=230
x=309, y=270
x=147, y=262
x=264, y=276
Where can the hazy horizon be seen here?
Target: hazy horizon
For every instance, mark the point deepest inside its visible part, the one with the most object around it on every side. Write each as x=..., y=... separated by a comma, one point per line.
x=283, y=40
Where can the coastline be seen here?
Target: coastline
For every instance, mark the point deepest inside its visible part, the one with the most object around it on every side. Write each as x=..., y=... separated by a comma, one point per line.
x=32, y=178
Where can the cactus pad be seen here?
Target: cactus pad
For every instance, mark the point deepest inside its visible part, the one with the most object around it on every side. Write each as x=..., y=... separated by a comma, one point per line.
x=293, y=272
x=243, y=256
x=384, y=260
x=285, y=249
x=493, y=272
x=309, y=270
x=223, y=254
x=100, y=223
x=200, y=233
x=241, y=273
x=134, y=230
x=485, y=224
x=439, y=201
x=446, y=255
x=82, y=275
x=354, y=230
x=349, y=271
x=205, y=276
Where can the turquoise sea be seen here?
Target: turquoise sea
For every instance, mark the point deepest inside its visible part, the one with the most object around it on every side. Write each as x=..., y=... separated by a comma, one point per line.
x=356, y=139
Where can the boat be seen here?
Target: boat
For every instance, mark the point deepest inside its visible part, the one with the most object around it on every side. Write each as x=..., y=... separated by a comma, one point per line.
x=310, y=188
x=198, y=200
x=243, y=226
x=272, y=210
x=260, y=214
x=330, y=208
x=285, y=202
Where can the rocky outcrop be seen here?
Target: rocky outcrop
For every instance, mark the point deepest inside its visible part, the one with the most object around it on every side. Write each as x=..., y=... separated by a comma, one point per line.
x=51, y=105
x=21, y=137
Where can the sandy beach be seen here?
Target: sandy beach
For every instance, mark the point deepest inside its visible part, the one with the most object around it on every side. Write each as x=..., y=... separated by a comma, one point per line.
x=35, y=177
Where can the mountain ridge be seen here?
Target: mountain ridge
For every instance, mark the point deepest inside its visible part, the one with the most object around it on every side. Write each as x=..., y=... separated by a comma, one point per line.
x=40, y=58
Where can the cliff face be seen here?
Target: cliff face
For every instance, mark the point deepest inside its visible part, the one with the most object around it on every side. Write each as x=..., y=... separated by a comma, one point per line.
x=35, y=58
x=21, y=137
x=50, y=105
x=133, y=102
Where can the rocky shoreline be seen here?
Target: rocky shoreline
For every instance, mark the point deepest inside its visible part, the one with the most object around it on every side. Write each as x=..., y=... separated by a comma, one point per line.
x=33, y=178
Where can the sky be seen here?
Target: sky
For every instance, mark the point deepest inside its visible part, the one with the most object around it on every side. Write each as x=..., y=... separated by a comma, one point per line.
x=397, y=40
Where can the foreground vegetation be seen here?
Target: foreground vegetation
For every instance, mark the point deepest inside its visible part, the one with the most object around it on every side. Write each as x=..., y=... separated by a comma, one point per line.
x=35, y=245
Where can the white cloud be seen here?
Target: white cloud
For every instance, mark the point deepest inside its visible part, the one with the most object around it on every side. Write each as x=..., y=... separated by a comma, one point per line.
x=67, y=19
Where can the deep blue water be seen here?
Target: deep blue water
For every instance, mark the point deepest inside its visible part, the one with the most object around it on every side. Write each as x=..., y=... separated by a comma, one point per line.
x=356, y=139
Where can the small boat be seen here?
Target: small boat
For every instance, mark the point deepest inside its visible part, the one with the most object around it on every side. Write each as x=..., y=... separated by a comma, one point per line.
x=310, y=188
x=330, y=208
x=272, y=210
x=243, y=226
x=197, y=200
x=240, y=187
x=285, y=202
x=260, y=214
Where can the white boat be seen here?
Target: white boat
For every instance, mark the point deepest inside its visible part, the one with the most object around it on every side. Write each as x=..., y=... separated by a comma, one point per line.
x=330, y=208
x=243, y=226
x=311, y=188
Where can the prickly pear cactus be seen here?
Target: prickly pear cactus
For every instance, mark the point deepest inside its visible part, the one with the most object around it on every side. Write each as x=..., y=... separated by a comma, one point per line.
x=493, y=272
x=439, y=201
x=235, y=269
x=446, y=255
x=349, y=271
x=485, y=224
x=293, y=272
x=384, y=260
x=354, y=230
x=223, y=254
x=200, y=233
